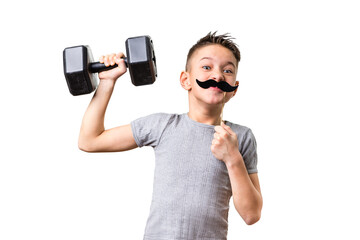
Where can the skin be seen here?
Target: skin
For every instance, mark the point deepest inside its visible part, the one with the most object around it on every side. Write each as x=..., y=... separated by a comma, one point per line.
x=205, y=106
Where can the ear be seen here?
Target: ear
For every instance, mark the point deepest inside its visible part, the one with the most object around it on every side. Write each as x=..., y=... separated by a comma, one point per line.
x=236, y=84
x=185, y=80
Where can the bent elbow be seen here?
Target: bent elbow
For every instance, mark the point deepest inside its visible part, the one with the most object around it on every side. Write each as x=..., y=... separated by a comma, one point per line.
x=252, y=218
x=85, y=147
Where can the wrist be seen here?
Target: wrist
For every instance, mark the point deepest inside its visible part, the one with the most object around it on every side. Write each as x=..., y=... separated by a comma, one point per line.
x=107, y=82
x=234, y=159
x=106, y=85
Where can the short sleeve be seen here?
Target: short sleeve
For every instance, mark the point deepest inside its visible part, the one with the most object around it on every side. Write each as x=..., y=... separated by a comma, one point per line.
x=148, y=130
x=247, y=149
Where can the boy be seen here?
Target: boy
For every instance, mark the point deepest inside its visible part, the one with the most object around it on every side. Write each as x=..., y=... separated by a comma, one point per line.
x=201, y=161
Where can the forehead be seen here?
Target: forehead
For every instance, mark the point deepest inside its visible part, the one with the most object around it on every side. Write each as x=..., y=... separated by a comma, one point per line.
x=214, y=52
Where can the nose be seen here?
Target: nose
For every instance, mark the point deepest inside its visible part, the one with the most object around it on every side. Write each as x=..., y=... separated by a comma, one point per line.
x=217, y=75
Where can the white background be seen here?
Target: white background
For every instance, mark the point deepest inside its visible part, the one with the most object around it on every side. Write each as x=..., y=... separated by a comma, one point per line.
x=299, y=93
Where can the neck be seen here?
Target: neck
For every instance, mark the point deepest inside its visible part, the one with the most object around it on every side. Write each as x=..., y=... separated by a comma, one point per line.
x=204, y=114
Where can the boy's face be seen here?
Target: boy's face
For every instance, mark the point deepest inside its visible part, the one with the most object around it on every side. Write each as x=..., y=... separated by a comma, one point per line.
x=210, y=62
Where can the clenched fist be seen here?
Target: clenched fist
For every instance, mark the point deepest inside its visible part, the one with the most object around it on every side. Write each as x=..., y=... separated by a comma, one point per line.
x=225, y=146
x=110, y=60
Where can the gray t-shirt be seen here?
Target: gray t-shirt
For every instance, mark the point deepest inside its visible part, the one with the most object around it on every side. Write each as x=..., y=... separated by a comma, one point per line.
x=191, y=190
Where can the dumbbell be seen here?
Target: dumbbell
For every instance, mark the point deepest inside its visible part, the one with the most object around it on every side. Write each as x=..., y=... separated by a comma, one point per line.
x=80, y=70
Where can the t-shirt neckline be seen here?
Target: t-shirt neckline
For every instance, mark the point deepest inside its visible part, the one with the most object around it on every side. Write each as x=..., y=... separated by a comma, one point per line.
x=198, y=123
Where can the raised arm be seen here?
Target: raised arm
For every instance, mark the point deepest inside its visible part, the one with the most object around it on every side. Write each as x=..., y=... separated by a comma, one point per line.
x=93, y=136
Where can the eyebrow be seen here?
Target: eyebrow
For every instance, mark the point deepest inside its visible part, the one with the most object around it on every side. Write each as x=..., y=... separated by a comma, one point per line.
x=209, y=58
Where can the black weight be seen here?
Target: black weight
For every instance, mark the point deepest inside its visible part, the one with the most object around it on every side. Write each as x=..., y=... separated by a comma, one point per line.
x=79, y=67
x=78, y=78
x=141, y=60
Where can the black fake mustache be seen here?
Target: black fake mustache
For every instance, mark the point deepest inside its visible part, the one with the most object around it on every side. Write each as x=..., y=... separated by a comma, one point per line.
x=224, y=86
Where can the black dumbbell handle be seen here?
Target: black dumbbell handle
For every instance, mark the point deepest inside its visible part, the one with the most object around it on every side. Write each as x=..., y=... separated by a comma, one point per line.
x=99, y=67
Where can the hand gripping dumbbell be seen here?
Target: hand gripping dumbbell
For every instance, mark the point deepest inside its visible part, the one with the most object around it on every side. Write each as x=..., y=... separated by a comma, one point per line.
x=79, y=68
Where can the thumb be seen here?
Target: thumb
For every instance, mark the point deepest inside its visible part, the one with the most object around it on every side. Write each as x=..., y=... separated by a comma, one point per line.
x=227, y=128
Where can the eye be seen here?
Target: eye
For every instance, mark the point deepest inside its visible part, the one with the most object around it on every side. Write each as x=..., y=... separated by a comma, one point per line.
x=228, y=71
x=206, y=67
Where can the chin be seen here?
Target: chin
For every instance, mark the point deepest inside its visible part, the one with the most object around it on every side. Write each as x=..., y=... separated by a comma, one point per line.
x=214, y=101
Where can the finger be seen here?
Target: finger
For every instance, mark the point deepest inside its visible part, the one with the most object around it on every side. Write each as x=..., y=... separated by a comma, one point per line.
x=101, y=59
x=109, y=60
x=112, y=59
x=120, y=55
x=220, y=130
x=119, y=59
x=227, y=128
x=216, y=136
x=215, y=142
x=106, y=60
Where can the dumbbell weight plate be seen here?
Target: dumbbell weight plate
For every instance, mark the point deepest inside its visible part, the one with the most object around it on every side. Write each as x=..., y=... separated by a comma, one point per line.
x=78, y=78
x=141, y=60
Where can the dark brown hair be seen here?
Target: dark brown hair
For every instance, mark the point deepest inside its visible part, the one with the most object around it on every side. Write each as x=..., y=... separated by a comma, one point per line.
x=224, y=40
